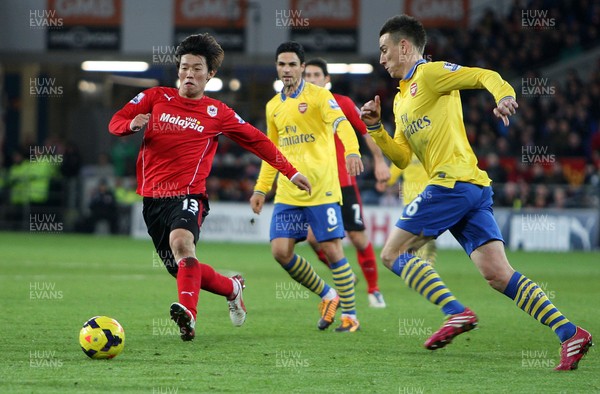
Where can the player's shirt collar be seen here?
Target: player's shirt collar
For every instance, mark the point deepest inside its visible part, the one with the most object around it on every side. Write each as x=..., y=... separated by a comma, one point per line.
x=412, y=70
x=296, y=92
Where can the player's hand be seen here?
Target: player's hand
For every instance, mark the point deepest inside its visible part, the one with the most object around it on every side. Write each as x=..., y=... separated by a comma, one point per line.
x=382, y=172
x=506, y=107
x=354, y=165
x=370, y=113
x=256, y=202
x=302, y=182
x=139, y=122
x=381, y=186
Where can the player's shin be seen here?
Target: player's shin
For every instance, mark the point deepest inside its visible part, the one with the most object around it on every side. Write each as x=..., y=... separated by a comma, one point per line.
x=531, y=298
x=368, y=265
x=420, y=276
x=343, y=278
x=189, y=279
x=214, y=282
x=302, y=272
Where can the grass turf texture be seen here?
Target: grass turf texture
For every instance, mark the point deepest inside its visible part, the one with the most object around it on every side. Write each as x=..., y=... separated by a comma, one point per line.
x=279, y=349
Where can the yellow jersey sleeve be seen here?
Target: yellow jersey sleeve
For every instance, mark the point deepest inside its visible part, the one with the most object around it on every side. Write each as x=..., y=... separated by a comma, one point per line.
x=395, y=173
x=397, y=150
x=332, y=114
x=437, y=77
x=267, y=173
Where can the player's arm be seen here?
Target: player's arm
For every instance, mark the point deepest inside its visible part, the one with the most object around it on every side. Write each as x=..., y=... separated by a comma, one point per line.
x=382, y=171
x=267, y=173
x=332, y=114
x=253, y=140
x=396, y=149
x=133, y=116
x=443, y=77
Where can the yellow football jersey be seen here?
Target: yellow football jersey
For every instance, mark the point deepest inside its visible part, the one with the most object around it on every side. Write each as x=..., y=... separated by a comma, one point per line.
x=302, y=126
x=414, y=179
x=429, y=121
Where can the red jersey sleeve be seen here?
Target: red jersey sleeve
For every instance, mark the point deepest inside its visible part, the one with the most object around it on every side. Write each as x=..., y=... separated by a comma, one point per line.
x=352, y=113
x=140, y=104
x=255, y=141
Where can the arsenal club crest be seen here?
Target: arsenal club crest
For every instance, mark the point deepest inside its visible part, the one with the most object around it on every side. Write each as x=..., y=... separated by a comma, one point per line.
x=212, y=111
x=302, y=107
x=413, y=89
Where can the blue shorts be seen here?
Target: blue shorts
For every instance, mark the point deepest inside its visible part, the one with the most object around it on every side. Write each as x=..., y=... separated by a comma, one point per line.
x=291, y=221
x=465, y=210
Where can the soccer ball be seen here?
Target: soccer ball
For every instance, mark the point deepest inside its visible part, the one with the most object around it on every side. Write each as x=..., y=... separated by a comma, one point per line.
x=102, y=337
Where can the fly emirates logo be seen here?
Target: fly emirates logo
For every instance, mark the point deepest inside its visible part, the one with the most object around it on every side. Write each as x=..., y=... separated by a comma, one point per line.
x=416, y=125
x=185, y=123
x=292, y=137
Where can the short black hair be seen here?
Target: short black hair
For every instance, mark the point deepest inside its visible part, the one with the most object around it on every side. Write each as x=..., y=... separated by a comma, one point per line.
x=405, y=26
x=201, y=45
x=291, y=46
x=319, y=62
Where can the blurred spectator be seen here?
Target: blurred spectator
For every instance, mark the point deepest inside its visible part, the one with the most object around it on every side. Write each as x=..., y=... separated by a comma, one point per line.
x=70, y=168
x=124, y=155
x=508, y=196
x=556, y=175
x=559, y=198
x=495, y=171
x=103, y=208
x=541, y=196
x=102, y=169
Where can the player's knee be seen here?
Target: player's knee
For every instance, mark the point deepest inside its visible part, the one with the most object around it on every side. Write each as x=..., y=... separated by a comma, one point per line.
x=283, y=257
x=388, y=258
x=182, y=247
x=358, y=239
x=498, y=280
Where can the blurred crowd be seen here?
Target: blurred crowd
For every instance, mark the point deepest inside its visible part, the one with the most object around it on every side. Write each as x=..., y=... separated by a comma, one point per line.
x=549, y=157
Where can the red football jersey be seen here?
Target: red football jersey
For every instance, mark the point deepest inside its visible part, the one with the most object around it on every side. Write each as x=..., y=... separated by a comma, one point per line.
x=180, y=141
x=353, y=115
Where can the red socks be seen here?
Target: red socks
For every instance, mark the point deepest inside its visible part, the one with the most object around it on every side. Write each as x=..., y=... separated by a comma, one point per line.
x=189, y=279
x=368, y=265
x=192, y=276
x=216, y=283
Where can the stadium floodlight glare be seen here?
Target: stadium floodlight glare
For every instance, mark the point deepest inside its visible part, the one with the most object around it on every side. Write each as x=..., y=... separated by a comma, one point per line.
x=352, y=68
x=114, y=66
x=235, y=85
x=277, y=85
x=360, y=68
x=214, y=85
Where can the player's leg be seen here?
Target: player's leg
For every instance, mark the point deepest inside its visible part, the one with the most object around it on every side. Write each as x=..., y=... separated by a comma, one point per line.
x=427, y=216
x=327, y=225
x=185, y=219
x=352, y=215
x=490, y=259
x=288, y=226
x=368, y=264
x=428, y=252
x=310, y=238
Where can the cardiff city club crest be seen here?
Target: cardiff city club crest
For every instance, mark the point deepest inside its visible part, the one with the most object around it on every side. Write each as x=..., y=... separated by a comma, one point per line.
x=212, y=110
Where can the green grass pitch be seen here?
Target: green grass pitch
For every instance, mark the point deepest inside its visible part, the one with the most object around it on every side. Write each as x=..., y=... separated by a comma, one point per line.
x=51, y=284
